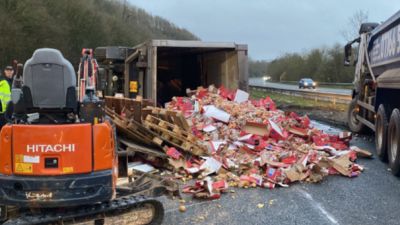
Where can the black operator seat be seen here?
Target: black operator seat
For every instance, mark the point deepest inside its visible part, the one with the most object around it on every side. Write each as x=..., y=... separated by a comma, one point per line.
x=49, y=83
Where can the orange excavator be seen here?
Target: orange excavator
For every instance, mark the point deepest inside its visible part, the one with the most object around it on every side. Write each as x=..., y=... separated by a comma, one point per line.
x=58, y=159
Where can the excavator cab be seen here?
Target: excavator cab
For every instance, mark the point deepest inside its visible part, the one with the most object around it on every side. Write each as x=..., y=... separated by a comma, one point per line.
x=56, y=151
x=48, y=94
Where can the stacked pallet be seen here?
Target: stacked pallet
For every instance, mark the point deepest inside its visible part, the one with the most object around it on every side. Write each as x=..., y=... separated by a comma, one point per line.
x=139, y=121
x=175, y=135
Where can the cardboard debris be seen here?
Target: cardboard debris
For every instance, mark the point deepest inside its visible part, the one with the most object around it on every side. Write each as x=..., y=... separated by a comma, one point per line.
x=296, y=173
x=241, y=96
x=215, y=113
x=141, y=167
x=256, y=128
x=361, y=152
x=302, y=132
x=177, y=163
x=219, y=138
x=210, y=166
x=209, y=128
x=345, y=135
x=343, y=165
x=216, y=144
x=193, y=170
x=173, y=153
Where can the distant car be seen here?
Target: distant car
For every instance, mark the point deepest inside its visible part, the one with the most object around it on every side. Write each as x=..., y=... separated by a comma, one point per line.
x=307, y=83
x=266, y=78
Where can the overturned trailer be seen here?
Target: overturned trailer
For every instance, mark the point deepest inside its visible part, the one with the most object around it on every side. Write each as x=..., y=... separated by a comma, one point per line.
x=160, y=69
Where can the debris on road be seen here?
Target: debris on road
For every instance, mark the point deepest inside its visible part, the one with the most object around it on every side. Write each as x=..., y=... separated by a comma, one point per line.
x=182, y=208
x=271, y=202
x=218, y=138
x=361, y=152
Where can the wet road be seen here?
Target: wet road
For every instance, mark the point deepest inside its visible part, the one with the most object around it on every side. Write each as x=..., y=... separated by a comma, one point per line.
x=261, y=82
x=371, y=198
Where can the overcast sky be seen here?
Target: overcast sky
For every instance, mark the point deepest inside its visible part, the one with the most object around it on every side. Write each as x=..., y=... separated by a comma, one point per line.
x=269, y=27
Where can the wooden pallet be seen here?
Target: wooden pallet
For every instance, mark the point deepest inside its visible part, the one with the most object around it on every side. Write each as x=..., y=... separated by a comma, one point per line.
x=173, y=133
x=131, y=108
x=171, y=128
x=143, y=134
x=122, y=125
x=144, y=123
x=174, y=117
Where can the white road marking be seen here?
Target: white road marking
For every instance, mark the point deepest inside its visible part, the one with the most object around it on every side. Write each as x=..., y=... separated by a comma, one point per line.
x=304, y=193
x=317, y=205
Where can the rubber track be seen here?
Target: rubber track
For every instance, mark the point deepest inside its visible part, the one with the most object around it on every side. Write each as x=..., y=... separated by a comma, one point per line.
x=115, y=207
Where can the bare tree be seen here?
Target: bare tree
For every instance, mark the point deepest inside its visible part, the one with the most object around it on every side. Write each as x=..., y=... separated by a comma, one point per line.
x=354, y=22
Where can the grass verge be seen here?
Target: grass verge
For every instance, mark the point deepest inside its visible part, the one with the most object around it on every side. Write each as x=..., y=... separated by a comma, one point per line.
x=298, y=102
x=337, y=86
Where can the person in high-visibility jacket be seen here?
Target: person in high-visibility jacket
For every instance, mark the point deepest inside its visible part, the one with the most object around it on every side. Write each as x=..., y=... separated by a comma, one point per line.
x=5, y=91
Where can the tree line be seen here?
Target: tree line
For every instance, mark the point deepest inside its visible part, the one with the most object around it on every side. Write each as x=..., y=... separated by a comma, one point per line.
x=70, y=25
x=320, y=64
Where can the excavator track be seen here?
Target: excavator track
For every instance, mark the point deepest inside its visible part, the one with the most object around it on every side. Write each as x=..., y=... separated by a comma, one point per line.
x=132, y=210
x=135, y=204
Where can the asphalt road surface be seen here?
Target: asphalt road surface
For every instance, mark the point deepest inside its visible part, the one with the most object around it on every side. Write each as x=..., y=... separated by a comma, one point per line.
x=371, y=198
x=261, y=82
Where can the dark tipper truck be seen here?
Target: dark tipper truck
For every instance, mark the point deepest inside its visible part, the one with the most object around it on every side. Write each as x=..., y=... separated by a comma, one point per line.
x=376, y=95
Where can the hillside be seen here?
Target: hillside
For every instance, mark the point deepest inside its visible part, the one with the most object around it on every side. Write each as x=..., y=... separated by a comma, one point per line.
x=70, y=25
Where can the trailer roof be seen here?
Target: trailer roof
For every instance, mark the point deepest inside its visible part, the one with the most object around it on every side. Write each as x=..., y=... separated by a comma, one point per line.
x=193, y=44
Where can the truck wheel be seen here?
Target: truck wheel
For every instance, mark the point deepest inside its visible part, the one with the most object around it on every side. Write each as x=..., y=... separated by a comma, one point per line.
x=394, y=142
x=381, y=125
x=354, y=124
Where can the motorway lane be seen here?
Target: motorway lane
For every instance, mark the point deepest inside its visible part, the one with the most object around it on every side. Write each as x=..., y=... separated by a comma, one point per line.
x=372, y=198
x=261, y=82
